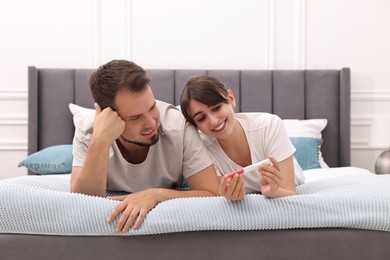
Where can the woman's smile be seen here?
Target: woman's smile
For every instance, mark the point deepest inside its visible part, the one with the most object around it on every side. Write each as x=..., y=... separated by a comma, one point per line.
x=221, y=127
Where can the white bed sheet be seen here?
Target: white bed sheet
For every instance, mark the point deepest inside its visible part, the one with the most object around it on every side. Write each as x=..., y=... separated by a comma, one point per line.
x=335, y=172
x=310, y=175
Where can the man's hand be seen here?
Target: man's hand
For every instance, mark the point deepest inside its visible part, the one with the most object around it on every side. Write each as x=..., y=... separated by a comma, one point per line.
x=108, y=125
x=134, y=208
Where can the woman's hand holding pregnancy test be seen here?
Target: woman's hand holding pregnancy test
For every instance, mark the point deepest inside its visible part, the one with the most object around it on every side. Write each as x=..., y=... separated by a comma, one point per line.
x=232, y=185
x=249, y=168
x=232, y=188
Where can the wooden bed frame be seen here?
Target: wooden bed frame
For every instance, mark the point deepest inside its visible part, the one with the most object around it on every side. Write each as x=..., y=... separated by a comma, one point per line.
x=298, y=94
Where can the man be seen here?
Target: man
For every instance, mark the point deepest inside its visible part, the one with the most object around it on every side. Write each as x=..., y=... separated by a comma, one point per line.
x=138, y=145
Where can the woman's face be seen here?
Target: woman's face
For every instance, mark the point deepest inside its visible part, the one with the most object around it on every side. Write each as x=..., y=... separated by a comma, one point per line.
x=216, y=121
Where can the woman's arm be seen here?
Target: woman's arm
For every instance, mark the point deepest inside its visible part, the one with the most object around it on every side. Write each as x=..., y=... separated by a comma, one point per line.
x=277, y=180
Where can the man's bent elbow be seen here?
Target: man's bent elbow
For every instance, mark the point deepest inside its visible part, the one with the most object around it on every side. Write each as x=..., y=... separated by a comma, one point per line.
x=74, y=188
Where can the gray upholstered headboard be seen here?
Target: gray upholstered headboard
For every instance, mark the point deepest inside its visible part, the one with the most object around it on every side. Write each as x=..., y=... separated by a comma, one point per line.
x=291, y=94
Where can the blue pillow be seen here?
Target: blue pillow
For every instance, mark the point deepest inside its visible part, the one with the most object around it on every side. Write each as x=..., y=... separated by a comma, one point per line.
x=51, y=160
x=307, y=151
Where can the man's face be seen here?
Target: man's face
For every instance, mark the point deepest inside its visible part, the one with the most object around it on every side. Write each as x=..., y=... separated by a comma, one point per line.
x=141, y=115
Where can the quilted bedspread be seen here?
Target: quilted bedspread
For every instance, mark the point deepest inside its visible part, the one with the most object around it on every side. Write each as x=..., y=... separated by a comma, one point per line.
x=44, y=205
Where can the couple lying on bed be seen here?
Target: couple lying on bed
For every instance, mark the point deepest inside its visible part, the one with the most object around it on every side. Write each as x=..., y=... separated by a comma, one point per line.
x=146, y=147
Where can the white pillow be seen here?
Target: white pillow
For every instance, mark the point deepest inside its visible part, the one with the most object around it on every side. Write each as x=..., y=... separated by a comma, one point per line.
x=307, y=128
x=82, y=117
x=79, y=110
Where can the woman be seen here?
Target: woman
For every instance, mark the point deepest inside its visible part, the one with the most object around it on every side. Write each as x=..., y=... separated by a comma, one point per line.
x=238, y=140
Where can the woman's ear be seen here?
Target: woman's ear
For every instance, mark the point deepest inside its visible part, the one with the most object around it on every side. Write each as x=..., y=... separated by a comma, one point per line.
x=231, y=98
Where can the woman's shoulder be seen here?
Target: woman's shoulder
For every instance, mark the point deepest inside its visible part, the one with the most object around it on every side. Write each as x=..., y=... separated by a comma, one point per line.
x=255, y=120
x=255, y=115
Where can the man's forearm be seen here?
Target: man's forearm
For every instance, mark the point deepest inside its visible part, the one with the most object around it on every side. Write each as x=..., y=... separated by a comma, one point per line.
x=91, y=178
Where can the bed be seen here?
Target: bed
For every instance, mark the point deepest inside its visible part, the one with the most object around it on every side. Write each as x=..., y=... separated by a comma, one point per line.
x=41, y=230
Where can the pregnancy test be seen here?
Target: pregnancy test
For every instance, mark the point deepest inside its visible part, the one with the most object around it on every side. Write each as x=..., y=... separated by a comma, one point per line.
x=249, y=168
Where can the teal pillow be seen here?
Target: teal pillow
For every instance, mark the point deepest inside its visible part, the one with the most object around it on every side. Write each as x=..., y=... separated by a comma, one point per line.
x=51, y=160
x=307, y=151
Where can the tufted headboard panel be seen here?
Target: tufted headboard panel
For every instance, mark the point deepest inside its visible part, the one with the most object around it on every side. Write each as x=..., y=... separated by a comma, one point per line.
x=291, y=94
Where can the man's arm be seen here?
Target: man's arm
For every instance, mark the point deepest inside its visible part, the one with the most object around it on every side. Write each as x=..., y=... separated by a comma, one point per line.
x=134, y=207
x=91, y=178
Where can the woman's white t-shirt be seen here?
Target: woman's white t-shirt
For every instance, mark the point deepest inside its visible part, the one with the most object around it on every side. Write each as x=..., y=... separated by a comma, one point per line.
x=266, y=135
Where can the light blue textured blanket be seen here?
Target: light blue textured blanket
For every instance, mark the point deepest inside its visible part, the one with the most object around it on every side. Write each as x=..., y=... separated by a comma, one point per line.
x=43, y=205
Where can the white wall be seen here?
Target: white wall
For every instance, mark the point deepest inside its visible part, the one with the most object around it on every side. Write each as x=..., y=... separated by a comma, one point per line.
x=218, y=34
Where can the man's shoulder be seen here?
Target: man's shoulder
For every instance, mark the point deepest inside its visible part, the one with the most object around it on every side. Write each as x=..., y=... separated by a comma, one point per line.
x=165, y=105
x=171, y=117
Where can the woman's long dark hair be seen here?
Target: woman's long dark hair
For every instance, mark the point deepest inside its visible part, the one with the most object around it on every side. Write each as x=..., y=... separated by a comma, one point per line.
x=204, y=89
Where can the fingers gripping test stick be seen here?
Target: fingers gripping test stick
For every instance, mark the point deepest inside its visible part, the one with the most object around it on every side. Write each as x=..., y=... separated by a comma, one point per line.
x=249, y=168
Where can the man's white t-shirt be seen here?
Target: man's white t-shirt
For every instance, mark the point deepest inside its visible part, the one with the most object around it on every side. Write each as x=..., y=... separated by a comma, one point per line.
x=177, y=155
x=266, y=135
